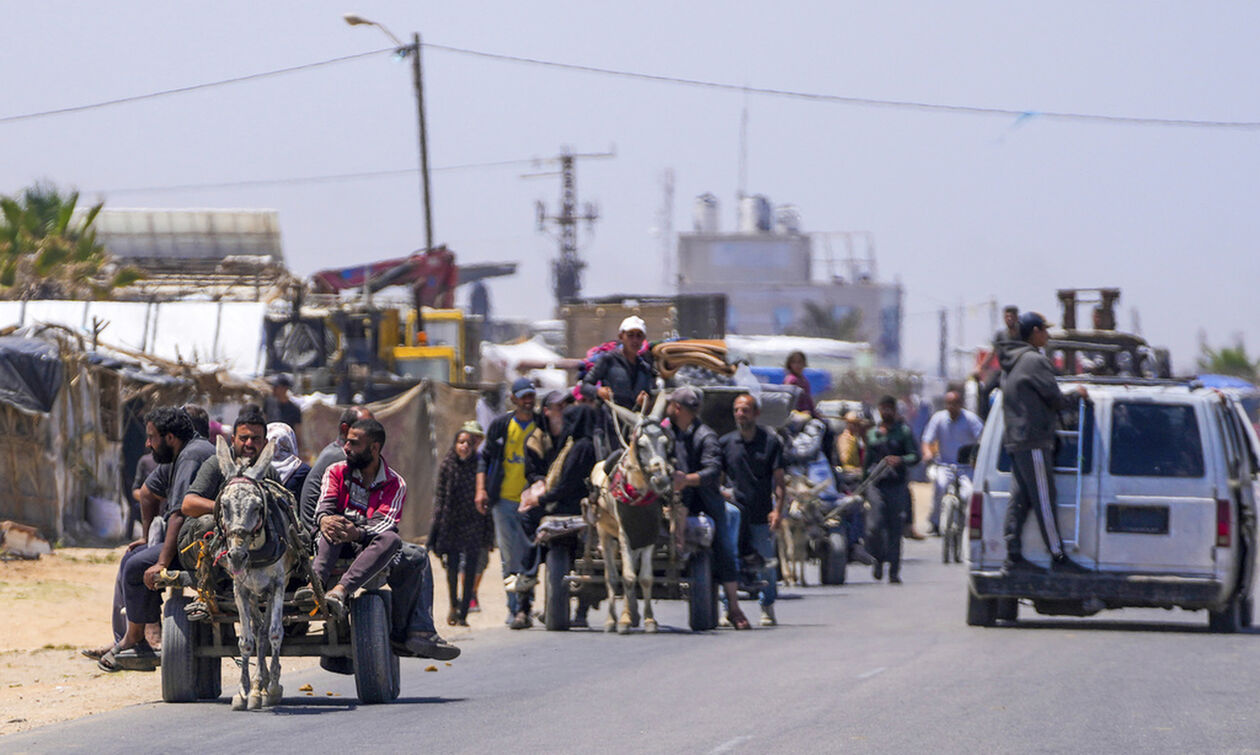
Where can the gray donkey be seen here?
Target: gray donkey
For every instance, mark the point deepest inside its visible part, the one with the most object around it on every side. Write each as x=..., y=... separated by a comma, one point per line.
x=260, y=561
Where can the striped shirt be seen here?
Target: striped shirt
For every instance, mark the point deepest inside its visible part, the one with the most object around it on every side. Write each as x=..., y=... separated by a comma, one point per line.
x=375, y=506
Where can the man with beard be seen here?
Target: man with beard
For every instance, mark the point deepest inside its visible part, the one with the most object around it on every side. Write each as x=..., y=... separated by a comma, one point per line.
x=361, y=500
x=410, y=578
x=753, y=460
x=179, y=453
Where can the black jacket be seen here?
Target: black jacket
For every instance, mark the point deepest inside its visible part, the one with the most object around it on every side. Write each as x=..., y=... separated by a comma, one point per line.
x=625, y=380
x=491, y=460
x=1031, y=399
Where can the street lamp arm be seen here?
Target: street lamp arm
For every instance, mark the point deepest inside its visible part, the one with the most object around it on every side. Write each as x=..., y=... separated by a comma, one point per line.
x=355, y=19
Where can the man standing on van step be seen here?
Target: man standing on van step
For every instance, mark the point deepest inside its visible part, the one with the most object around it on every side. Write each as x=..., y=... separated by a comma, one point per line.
x=1031, y=402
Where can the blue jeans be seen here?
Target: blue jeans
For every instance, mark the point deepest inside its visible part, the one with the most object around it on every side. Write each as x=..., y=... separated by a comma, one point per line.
x=732, y=530
x=763, y=542
x=509, y=535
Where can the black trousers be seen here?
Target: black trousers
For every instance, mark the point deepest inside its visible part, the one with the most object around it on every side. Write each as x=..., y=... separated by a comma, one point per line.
x=1032, y=487
x=890, y=507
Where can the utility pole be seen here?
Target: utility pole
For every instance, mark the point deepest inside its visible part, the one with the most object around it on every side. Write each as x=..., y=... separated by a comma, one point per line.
x=566, y=269
x=418, y=76
x=944, y=347
x=666, y=227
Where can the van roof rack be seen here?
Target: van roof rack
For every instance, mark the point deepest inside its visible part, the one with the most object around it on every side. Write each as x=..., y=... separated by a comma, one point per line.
x=1187, y=382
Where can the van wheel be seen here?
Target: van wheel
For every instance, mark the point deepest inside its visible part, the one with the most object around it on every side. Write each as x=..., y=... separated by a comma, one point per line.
x=1227, y=620
x=981, y=612
x=1248, y=605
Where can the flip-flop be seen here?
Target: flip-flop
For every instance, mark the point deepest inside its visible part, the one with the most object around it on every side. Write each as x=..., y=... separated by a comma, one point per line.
x=334, y=604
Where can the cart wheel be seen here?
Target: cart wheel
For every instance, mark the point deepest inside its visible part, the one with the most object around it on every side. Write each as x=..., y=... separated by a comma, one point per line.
x=337, y=664
x=981, y=612
x=833, y=562
x=702, y=595
x=1248, y=607
x=179, y=662
x=373, y=657
x=556, y=597
x=1007, y=609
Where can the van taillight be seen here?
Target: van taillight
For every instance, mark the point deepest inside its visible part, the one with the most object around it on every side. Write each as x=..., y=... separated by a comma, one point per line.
x=1222, y=523
x=975, y=515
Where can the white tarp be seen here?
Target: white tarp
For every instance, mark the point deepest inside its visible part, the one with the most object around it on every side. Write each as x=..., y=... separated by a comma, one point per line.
x=227, y=334
x=532, y=359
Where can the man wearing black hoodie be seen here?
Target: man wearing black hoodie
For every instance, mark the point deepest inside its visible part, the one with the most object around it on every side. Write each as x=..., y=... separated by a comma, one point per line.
x=1031, y=402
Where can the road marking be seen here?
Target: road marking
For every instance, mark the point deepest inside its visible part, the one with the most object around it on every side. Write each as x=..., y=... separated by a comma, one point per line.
x=873, y=672
x=730, y=744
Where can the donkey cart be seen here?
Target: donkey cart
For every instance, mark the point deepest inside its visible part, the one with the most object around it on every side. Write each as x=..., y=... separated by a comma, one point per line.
x=575, y=569
x=356, y=644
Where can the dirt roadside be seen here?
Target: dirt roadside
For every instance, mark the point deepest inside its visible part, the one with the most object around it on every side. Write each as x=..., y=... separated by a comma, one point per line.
x=52, y=607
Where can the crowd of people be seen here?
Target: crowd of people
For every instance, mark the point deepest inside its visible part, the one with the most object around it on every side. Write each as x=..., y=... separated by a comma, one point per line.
x=504, y=472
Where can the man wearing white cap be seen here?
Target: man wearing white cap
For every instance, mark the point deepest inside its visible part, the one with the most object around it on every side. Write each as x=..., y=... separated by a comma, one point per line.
x=623, y=375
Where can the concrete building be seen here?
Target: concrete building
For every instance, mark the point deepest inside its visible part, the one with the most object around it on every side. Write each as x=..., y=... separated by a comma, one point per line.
x=779, y=280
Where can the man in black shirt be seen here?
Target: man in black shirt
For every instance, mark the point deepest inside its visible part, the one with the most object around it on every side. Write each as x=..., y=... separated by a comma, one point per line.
x=625, y=374
x=279, y=406
x=696, y=478
x=753, y=459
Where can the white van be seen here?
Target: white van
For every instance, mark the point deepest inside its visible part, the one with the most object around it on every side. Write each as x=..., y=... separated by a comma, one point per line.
x=1159, y=506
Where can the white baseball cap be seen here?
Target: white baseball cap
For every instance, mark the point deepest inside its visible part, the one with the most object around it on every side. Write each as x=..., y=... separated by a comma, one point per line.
x=633, y=322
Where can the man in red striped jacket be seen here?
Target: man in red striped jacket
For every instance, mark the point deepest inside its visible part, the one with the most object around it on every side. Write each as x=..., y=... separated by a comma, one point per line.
x=360, y=502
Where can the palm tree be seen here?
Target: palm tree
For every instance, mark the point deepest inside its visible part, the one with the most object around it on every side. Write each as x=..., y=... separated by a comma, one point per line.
x=1229, y=361
x=46, y=253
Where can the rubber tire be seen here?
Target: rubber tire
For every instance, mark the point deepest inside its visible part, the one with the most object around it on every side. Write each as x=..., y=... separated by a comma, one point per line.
x=369, y=641
x=1007, y=609
x=1248, y=609
x=981, y=612
x=1229, y=619
x=209, y=669
x=556, y=591
x=179, y=643
x=833, y=562
x=702, y=595
x=337, y=664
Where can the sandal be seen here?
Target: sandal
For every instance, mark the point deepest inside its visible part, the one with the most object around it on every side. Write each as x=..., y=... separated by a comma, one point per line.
x=739, y=621
x=452, y=618
x=97, y=653
x=138, y=657
x=334, y=604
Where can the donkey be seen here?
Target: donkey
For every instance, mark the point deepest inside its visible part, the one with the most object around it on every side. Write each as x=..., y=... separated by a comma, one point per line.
x=630, y=501
x=260, y=560
x=804, y=511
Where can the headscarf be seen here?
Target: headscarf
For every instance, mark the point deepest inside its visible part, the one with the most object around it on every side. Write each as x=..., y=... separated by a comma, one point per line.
x=285, y=460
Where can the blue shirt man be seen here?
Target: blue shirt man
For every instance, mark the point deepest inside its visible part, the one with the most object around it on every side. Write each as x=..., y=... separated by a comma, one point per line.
x=946, y=433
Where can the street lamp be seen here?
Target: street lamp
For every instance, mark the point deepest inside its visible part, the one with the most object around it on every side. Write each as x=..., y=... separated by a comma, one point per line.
x=413, y=50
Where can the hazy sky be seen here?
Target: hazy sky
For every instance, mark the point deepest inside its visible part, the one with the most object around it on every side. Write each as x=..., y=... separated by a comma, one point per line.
x=962, y=207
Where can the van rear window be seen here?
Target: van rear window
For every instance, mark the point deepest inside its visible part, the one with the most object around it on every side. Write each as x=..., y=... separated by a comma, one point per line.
x=1155, y=440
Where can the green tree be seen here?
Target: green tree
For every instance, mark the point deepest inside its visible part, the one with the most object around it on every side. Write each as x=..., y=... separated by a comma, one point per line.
x=47, y=253
x=818, y=321
x=1228, y=360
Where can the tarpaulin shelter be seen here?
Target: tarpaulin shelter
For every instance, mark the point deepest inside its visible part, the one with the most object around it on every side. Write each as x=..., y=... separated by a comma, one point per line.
x=63, y=415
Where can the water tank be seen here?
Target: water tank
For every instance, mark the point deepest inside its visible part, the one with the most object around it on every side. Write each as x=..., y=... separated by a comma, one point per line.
x=787, y=219
x=705, y=214
x=754, y=214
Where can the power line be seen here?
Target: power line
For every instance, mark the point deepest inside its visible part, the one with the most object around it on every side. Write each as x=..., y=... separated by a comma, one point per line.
x=193, y=87
x=326, y=178
x=932, y=107
x=849, y=100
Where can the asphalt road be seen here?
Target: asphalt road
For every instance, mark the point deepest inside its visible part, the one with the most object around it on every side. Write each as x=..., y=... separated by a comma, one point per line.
x=864, y=667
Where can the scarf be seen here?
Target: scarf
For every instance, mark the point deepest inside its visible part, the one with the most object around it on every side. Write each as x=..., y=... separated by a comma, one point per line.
x=285, y=460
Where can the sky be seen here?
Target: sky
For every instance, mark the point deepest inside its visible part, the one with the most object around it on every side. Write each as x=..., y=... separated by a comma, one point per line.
x=963, y=208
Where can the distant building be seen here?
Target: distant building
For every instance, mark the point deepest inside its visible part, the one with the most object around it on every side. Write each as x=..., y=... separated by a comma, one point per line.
x=230, y=255
x=777, y=282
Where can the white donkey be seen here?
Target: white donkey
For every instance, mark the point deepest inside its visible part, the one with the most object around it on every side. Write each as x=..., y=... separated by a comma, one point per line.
x=260, y=561
x=630, y=502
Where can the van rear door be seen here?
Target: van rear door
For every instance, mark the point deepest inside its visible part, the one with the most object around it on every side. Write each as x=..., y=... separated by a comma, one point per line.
x=1158, y=511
